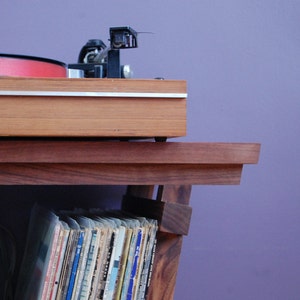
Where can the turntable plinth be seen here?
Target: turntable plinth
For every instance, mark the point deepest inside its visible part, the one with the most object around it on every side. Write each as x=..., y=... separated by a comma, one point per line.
x=89, y=107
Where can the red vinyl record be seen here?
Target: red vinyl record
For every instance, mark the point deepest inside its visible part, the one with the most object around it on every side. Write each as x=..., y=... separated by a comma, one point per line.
x=30, y=66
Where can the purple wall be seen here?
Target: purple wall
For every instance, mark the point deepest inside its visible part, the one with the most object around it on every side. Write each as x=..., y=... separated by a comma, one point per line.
x=241, y=61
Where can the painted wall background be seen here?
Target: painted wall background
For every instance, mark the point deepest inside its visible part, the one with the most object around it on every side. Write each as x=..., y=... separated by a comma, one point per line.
x=241, y=60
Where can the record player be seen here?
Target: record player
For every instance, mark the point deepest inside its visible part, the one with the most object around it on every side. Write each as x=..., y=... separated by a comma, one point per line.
x=94, y=97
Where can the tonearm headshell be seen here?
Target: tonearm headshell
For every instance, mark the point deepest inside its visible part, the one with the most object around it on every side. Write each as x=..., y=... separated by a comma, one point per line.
x=96, y=60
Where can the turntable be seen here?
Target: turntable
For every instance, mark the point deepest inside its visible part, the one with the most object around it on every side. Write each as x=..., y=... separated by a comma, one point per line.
x=40, y=97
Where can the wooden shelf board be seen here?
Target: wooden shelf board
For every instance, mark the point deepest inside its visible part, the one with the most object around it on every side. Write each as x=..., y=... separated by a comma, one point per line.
x=118, y=163
x=80, y=151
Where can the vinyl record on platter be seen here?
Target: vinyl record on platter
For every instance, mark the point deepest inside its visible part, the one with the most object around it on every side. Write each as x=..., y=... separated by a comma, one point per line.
x=30, y=66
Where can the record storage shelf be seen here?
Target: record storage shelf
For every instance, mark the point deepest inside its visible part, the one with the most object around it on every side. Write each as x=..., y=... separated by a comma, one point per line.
x=158, y=175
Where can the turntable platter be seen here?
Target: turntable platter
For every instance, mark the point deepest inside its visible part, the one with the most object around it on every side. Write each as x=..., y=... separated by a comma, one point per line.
x=30, y=66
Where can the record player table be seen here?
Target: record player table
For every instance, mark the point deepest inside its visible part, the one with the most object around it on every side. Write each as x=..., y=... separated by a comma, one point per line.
x=159, y=175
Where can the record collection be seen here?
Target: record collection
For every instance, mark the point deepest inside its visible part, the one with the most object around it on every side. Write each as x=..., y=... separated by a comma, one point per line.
x=87, y=255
